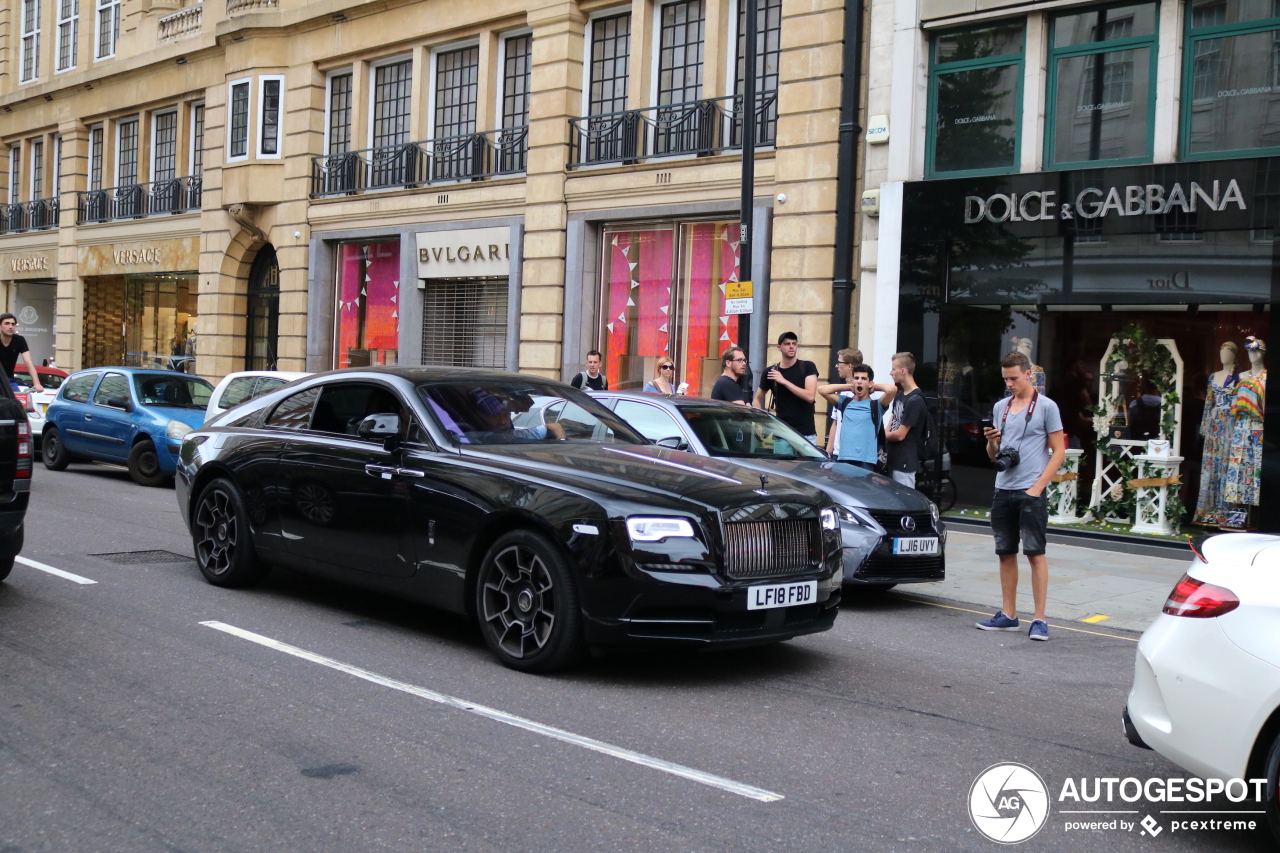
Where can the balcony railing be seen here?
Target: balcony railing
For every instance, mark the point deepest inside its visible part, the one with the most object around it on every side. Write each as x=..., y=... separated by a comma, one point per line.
x=694, y=128
x=38, y=215
x=469, y=157
x=181, y=24
x=235, y=7
x=135, y=201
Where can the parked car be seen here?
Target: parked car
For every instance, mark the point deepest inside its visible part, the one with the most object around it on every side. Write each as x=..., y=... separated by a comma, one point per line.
x=127, y=415
x=892, y=534
x=51, y=378
x=16, y=457
x=417, y=482
x=1206, y=682
x=236, y=388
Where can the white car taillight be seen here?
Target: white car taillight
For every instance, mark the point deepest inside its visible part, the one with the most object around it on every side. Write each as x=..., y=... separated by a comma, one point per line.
x=1199, y=600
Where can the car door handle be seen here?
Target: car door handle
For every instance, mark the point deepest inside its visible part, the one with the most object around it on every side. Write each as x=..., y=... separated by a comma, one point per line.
x=380, y=470
x=88, y=417
x=410, y=472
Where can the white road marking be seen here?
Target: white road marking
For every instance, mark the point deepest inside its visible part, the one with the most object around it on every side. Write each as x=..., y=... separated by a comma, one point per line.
x=712, y=780
x=51, y=570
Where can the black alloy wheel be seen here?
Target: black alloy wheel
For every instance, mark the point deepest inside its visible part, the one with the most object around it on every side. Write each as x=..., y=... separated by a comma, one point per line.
x=53, y=451
x=527, y=604
x=144, y=465
x=222, y=537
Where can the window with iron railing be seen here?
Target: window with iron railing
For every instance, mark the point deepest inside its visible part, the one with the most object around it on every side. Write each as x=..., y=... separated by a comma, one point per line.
x=392, y=93
x=457, y=73
x=517, y=61
x=95, y=158
x=15, y=174
x=127, y=152
x=164, y=153
x=37, y=170
x=768, y=58
x=680, y=77
x=197, y=140
x=339, y=114
x=608, y=131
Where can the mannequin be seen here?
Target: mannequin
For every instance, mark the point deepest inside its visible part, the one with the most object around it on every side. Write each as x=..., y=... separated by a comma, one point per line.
x=1244, y=476
x=1023, y=345
x=955, y=381
x=1215, y=427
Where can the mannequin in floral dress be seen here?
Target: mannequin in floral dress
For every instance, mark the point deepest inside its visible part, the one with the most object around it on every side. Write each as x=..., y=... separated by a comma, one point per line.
x=1215, y=427
x=1244, y=476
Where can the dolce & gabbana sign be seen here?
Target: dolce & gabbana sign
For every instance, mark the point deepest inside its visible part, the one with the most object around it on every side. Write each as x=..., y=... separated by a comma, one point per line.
x=464, y=253
x=1093, y=202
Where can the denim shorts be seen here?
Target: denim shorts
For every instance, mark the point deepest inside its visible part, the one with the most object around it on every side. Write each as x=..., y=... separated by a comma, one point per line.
x=1016, y=514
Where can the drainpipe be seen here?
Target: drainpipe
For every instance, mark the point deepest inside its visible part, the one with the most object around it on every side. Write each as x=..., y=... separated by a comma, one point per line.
x=843, y=284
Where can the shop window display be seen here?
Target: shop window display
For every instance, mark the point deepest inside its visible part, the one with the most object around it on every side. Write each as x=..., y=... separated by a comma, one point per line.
x=368, y=312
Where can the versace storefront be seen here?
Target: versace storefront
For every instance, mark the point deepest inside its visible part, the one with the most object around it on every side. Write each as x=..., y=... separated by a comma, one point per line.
x=31, y=282
x=1144, y=296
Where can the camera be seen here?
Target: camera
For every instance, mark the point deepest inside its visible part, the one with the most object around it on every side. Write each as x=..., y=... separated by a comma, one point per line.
x=1006, y=459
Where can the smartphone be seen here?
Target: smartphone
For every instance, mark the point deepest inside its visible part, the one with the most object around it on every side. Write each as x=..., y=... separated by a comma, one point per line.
x=987, y=423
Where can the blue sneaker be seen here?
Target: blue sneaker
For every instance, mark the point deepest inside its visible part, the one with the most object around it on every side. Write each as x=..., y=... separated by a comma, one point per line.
x=999, y=622
x=1039, y=630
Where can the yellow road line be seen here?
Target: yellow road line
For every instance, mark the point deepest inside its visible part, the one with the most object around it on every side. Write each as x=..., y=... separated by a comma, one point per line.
x=1095, y=619
x=984, y=613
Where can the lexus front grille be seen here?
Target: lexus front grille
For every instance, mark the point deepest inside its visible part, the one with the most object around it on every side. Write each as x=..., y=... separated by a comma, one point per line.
x=757, y=549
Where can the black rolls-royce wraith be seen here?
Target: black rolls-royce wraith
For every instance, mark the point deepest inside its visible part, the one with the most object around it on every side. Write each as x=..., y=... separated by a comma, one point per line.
x=556, y=534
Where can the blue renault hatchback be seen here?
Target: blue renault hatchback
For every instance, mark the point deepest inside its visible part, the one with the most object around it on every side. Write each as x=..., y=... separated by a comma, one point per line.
x=127, y=415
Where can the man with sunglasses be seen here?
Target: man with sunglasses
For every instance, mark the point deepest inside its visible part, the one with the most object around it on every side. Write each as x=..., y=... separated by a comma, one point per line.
x=727, y=387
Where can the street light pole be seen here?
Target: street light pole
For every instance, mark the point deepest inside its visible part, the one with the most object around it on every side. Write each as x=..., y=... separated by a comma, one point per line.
x=746, y=239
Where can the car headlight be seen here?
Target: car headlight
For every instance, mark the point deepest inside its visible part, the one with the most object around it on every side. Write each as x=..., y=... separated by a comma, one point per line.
x=830, y=521
x=657, y=529
x=933, y=510
x=176, y=430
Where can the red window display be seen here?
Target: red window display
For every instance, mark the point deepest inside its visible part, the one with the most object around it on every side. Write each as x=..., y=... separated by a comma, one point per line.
x=368, y=309
x=663, y=297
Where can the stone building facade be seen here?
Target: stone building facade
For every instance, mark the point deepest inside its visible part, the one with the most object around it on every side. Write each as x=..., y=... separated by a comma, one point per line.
x=252, y=183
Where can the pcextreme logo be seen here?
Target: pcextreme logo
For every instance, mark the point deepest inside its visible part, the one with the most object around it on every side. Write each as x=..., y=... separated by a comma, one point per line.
x=1008, y=803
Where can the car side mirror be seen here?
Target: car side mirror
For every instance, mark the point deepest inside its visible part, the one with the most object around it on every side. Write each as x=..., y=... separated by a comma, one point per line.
x=385, y=427
x=120, y=403
x=675, y=442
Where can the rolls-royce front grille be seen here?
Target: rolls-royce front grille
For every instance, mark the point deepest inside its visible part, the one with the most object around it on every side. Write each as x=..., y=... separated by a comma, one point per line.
x=757, y=549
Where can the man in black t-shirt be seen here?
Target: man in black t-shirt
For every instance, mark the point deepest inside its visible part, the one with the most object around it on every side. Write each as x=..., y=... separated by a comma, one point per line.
x=591, y=379
x=794, y=384
x=12, y=347
x=733, y=362
x=907, y=420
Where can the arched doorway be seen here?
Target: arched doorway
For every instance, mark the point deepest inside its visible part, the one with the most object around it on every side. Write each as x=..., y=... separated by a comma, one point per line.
x=263, y=329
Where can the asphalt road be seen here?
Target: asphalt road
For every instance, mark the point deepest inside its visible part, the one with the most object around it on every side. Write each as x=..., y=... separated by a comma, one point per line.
x=128, y=725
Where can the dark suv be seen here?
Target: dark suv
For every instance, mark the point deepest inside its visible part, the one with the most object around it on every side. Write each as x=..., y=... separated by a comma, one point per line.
x=15, y=475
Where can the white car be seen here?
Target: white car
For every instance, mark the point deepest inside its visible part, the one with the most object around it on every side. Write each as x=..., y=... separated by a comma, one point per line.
x=51, y=378
x=1206, y=683
x=235, y=388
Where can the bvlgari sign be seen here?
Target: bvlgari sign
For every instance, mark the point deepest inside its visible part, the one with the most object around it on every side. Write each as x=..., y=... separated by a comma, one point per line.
x=464, y=253
x=1093, y=202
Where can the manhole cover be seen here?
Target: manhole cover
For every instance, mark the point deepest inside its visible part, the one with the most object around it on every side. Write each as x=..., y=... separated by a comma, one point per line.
x=129, y=558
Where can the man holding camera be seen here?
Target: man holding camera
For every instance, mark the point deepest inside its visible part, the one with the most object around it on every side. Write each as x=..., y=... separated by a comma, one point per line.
x=1026, y=442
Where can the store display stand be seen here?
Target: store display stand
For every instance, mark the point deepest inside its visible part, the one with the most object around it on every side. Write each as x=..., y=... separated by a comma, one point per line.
x=1063, y=490
x=1157, y=479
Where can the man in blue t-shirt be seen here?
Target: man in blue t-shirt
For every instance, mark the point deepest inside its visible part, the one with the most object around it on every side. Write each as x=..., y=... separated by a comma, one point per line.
x=858, y=420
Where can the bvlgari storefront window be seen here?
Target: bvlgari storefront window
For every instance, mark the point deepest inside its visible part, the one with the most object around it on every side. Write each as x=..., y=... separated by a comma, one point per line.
x=1143, y=296
x=367, y=313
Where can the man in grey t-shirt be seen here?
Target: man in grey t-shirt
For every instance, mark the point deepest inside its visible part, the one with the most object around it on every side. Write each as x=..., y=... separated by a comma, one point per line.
x=1029, y=423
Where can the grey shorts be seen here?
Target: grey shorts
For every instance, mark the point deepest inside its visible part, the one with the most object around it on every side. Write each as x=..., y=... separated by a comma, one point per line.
x=1017, y=515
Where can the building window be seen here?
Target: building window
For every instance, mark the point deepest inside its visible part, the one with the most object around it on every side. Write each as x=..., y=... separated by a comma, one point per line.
x=30, y=40
x=164, y=150
x=127, y=153
x=1102, y=63
x=339, y=114
x=37, y=170
x=108, y=28
x=768, y=58
x=238, y=140
x=68, y=33
x=264, y=311
x=392, y=93
x=269, y=116
x=15, y=174
x=680, y=53
x=1231, y=79
x=57, y=167
x=95, y=158
x=456, y=79
x=367, y=315
x=975, y=93
x=464, y=323
x=610, y=52
x=516, y=62
x=197, y=140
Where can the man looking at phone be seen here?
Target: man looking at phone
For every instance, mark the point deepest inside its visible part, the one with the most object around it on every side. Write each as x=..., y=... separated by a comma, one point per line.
x=1026, y=442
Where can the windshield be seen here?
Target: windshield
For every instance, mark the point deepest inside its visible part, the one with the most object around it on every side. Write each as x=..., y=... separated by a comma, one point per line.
x=177, y=391
x=48, y=380
x=489, y=411
x=743, y=432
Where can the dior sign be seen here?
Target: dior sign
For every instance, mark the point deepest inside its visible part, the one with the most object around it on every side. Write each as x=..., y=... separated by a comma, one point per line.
x=464, y=253
x=1097, y=203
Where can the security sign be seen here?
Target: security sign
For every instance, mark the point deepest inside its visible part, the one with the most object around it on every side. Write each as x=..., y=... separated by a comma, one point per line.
x=738, y=297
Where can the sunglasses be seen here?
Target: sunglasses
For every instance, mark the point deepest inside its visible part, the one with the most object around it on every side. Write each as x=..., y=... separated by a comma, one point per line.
x=666, y=367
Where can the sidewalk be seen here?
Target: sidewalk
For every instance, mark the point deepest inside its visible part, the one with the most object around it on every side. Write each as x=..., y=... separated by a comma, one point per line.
x=1127, y=589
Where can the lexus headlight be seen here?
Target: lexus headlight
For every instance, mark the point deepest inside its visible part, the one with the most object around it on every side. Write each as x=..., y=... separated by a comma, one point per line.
x=830, y=521
x=176, y=430
x=933, y=510
x=657, y=529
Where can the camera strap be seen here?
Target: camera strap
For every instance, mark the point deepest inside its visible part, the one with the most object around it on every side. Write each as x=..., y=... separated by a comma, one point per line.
x=1030, y=410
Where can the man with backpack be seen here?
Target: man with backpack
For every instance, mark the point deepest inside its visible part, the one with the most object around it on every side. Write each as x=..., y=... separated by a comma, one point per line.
x=591, y=379
x=857, y=431
x=911, y=430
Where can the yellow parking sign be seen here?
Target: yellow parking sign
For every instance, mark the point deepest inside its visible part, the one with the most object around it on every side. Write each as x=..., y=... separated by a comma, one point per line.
x=738, y=297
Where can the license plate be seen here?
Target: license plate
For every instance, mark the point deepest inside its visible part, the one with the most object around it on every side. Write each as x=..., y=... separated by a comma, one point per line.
x=781, y=595
x=44, y=407
x=915, y=546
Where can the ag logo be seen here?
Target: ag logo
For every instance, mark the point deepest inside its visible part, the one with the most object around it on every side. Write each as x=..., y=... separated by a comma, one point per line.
x=1008, y=803
x=28, y=316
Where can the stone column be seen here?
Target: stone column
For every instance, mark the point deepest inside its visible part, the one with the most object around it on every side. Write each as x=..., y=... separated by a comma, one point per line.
x=555, y=97
x=69, y=342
